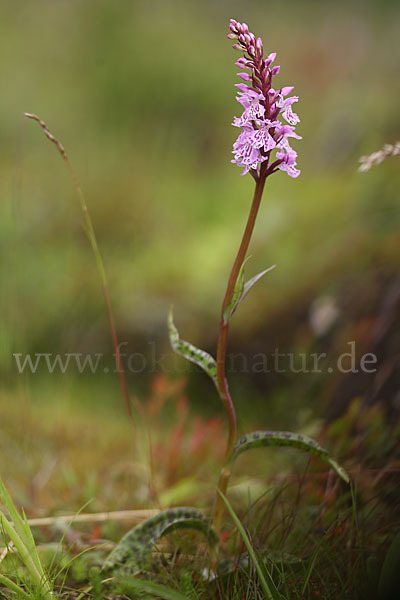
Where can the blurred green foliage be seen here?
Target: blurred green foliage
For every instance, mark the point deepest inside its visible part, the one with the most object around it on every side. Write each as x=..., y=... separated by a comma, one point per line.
x=141, y=94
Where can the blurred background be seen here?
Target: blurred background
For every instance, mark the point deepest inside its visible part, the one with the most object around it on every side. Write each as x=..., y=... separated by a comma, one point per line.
x=142, y=96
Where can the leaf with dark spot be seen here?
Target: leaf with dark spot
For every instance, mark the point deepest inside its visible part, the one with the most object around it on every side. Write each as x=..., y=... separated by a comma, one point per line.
x=259, y=439
x=131, y=552
x=201, y=358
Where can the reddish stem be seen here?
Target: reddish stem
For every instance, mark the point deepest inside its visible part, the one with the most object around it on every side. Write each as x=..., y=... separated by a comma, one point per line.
x=118, y=360
x=222, y=345
x=224, y=324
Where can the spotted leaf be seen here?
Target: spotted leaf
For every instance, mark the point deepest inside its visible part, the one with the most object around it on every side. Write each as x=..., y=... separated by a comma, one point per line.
x=259, y=439
x=201, y=358
x=129, y=555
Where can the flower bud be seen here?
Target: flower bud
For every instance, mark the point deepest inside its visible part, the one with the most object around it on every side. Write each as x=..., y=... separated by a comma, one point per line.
x=242, y=63
x=244, y=76
x=242, y=87
x=272, y=96
x=275, y=70
x=259, y=46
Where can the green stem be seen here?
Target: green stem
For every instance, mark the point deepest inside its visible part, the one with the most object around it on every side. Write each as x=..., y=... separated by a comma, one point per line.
x=223, y=388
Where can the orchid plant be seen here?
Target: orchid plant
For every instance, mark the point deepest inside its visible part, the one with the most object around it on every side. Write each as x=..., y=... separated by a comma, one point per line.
x=262, y=148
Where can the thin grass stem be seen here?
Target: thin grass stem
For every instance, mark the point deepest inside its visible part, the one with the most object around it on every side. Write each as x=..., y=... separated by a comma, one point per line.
x=89, y=230
x=269, y=594
x=14, y=587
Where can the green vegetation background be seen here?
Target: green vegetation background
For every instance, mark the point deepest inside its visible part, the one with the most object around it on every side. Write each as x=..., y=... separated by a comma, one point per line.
x=141, y=94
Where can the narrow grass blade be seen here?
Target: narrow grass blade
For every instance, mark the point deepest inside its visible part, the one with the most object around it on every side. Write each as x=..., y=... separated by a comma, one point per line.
x=21, y=535
x=14, y=588
x=269, y=588
x=309, y=573
x=201, y=358
x=20, y=526
x=38, y=577
x=139, y=541
x=132, y=584
x=259, y=439
x=91, y=235
x=31, y=546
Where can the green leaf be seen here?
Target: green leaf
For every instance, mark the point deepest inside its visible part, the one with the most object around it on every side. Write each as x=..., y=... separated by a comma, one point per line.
x=259, y=439
x=237, y=293
x=20, y=533
x=201, y=358
x=249, y=284
x=265, y=579
x=242, y=289
x=14, y=587
x=18, y=522
x=139, y=541
x=132, y=584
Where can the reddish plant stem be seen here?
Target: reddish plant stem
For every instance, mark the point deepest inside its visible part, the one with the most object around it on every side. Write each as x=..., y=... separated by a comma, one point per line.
x=118, y=360
x=223, y=388
x=224, y=324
